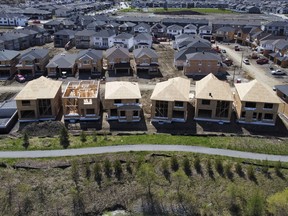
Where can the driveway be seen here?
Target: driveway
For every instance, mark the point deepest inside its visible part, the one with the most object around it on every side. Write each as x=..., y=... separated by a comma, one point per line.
x=143, y=147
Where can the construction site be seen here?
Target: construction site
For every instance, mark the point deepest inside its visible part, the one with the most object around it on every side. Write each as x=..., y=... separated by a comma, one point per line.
x=81, y=101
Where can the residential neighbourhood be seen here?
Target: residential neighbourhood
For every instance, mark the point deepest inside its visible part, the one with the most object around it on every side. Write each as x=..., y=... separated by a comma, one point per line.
x=143, y=107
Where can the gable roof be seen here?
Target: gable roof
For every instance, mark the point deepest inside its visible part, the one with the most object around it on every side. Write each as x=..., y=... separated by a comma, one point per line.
x=145, y=51
x=105, y=33
x=123, y=35
x=34, y=54
x=226, y=29
x=85, y=32
x=8, y=54
x=40, y=88
x=203, y=56
x=65, y=32
x=122, y=90
x=127, y=24
x=90, y=53
x=205, y=27
x=190, y=26
x=174, y=27
x=174, y=89
x=143, y=25
x=254, y=91
x=212, y=88
x=62, y=61
x=117, y=52
x=143, y=36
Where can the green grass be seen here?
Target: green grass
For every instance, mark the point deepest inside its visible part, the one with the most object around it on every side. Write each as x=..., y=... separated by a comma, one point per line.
x=161, y=10
x=199, y=10
x=249, y=144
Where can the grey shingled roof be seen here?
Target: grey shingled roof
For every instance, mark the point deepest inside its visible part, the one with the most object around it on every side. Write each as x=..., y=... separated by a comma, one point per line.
x=226, y=29
x=207, y=28
x=143, y=36
x=145, y=51
x=90, y=53
x=105, y=33
x=175, y=27
x=203, y=56
x=124, y=35
x=85, y=32
x=190, y=26
x=144, y=25
x=62, y=61
x=117, y=52
x=282, y=88
x=34, y=54
x=8, y=55
x=65, y=32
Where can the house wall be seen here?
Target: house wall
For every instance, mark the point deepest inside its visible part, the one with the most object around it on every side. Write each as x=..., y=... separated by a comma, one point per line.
x=9, y=65
x=145, y=60
x=201, y=67
x=109, y=104
x=41, y=62
x=171, y=108
x=118, y=60
x=212, y=106
x=259, y=110
x=90, y=65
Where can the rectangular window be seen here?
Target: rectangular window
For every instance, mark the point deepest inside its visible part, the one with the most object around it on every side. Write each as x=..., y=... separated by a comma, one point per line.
x=205, y=102
x=178, y=104
x=268, y=116
x=117, y=101
x=254, y=115
x=26, y=103
x=250, y=105
x=243, y=114
x=90, y=111
x=122, y=113
x=268, y=106
x=135, y=113
x=161, y=109
x=113, y=112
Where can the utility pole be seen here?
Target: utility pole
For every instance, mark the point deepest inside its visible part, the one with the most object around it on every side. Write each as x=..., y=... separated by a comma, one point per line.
x=241, y=59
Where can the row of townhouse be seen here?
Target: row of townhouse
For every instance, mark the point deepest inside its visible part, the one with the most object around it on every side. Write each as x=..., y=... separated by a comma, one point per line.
x=35, y=62
x=21, y=39
x=214, y=100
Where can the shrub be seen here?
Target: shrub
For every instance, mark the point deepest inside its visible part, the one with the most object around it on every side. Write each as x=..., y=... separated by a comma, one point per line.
x=129, y=167
x=165, y=170
x=228, y=171
x=197, y=165
x=107, y=168
x=187, y=167
x=64, y=138
x=98, y=174
x=238, y=169
x=26, y=142
x=83, y=137
x=174, y=163
x=219, y=167
x=251, y=173
x=118, y=170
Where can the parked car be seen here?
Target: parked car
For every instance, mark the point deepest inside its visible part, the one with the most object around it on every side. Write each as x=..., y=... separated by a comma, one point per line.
x=20, y=78
x=228, y=62
x=246, y=61
x=262, y=61
x=36, y=21
x=236, y=48
x=223, y=51
x=278, y=72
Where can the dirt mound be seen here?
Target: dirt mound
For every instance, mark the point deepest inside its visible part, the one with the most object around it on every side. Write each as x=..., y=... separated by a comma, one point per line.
x=43, y=129
x=182, y=12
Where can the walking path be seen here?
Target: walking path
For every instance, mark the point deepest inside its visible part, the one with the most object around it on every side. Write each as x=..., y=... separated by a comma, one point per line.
x=142, y=147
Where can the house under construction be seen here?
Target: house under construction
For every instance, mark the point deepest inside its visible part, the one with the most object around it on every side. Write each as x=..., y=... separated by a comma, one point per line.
x=81, y=101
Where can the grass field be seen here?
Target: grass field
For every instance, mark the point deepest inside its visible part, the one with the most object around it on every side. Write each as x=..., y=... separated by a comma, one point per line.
x=162, y=10
x=259, y=145
x=199, y=10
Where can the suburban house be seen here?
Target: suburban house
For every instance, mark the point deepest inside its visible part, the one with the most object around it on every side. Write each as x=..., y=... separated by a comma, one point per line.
x=65, y=37
x=158, y=30
x=255, y=103
x=205, y=32
x=41, y=104
x=8, y=62
x=203, y=63
x=180, y=57
x=9, y=19
x=242, y=34
x=90, y=61
x=84, y=39
x=33, y=61
x=225, y=34
x=62, y=65
x=142, y=40
x=124, y=40
x=174, y=30
x=188, y=40
x=282, y=93
x=146, y=60
x=96, y=25
x=190, y=29
x=213, y=99
x=112, y=26
x=118, y=59
x=276, y=28
x=170, y=100
x=126, y=27
x=122, y=101
x=81, y=101
x=142, y=28
x=57, y=25
x=104, y=39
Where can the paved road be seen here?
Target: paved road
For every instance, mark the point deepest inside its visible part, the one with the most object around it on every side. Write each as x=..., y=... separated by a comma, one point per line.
x=256, y=72
x=143, y=147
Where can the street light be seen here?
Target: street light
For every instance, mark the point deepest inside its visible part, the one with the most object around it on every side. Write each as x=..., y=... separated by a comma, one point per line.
x=241, y=59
